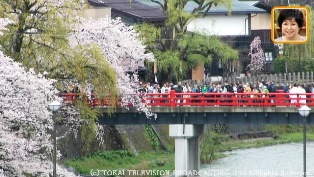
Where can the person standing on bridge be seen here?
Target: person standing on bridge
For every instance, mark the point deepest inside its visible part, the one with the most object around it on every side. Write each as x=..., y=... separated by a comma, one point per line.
x=235, y=88
x=186, y=90
x=204, y=88
x=265, y=91
x=179, y=89
x=272, y=89
x=293, y=93
x=227, y=88
x=247, y=88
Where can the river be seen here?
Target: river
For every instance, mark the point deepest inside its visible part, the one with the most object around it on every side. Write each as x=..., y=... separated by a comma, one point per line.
x=285, y=160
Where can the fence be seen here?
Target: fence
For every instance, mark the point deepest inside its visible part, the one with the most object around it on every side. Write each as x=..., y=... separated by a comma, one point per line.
x=286, y=78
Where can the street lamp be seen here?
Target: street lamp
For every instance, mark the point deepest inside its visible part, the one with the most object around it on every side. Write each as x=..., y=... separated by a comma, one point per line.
x=54, y=107
x=304, y=111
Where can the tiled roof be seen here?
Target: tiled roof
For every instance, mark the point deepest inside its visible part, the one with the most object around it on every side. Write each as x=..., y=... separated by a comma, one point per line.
x=251, y=3
x=268, y=5
x=149, y=2
x=287, y=2
x=237, y=7
x=132, y=9
x=145, y=10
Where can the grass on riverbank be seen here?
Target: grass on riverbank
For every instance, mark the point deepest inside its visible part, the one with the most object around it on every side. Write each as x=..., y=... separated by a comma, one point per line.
x=261, y=142
x=110, y=160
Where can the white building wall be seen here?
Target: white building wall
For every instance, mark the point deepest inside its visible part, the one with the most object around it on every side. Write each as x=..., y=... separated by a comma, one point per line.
x=98, y=12
x=260, y=21
x=220, y=25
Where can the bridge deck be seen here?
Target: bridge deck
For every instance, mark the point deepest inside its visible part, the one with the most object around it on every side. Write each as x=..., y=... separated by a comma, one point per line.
x=207, y=115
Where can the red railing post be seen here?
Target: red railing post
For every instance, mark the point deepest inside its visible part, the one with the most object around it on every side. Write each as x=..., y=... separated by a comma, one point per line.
x=203, y=101
x=234, y=100
x=187, y=101
x=298, y=100
x=279, y=98
x=265, y=99
x=172, y=96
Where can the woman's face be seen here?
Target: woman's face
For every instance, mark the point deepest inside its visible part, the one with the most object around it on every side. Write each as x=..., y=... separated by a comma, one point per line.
x=290, y=29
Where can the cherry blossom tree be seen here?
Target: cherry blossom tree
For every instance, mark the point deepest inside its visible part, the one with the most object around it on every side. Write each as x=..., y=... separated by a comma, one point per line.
x=257, y=55
x=25, y=94
x=121, y=47
x=25, y=144
x=39, y=40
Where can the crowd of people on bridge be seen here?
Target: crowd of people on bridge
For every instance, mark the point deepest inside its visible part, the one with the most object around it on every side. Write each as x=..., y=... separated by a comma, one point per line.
x=295, y=90
x=226, y=87
x=260, y=87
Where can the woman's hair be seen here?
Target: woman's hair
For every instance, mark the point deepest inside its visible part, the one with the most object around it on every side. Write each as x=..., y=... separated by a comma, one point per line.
x=290, y=14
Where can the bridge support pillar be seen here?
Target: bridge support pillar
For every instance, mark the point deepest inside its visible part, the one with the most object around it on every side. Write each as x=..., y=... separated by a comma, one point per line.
x=187, y=148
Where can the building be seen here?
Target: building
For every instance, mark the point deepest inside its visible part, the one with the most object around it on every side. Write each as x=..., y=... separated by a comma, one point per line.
x=130, y=11
x=235, y=27
x=238, y=28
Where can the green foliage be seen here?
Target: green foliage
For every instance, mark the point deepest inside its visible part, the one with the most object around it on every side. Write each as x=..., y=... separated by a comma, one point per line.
x=209, y=147
x=295, y=137
x=153, y=139
x=309, y=65
x=279, y=65
x=148, y=33
x=90, y=65
x=195, y=59
x=87, y=135
x=183, y=51
x=211, y=143
x=286, y=64
x=122, y=159
x=37, y=25
x=281, y=129
x=207, y=46
x=169, y=64
x=111, y=155
x=176, y=16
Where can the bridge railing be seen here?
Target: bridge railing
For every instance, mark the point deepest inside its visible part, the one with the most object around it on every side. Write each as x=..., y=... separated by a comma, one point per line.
x=173, y=99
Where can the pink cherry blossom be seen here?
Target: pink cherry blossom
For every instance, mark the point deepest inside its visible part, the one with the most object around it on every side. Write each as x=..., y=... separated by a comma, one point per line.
x=257, y=55
x=123, y=50
x=25, y=144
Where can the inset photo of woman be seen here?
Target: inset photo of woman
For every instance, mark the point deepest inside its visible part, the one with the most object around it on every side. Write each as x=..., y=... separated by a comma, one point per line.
x=290, y=24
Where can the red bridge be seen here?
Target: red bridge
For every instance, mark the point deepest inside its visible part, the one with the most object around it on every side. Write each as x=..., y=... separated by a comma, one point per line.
x=208, y=108
x=173, y=99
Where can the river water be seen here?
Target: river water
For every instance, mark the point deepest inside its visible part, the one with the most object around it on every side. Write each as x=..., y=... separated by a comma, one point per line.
x=284, y=160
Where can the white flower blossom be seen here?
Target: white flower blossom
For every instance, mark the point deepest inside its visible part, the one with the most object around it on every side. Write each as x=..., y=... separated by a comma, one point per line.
x=123, y=50
x=25, y=145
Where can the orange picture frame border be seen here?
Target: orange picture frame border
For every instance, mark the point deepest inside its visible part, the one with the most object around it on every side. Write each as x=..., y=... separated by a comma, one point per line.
x=307, y=24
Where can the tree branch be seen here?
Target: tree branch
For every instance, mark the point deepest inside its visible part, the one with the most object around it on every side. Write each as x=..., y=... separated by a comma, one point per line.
x=160, y=4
